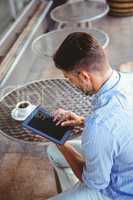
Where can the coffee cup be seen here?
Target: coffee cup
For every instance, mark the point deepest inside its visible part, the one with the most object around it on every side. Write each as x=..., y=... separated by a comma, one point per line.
x=22, y=108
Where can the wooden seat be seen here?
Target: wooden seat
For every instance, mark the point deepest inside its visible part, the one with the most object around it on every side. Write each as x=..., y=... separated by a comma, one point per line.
x=121, y=7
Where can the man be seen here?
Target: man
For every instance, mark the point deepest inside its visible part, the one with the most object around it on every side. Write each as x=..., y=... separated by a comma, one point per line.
x=104, y=165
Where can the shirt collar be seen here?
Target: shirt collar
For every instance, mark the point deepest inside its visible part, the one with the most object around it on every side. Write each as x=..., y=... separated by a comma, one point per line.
x=110, y=83
x=99, y=98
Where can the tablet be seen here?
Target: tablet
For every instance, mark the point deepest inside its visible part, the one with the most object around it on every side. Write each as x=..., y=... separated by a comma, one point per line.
x=41, y=122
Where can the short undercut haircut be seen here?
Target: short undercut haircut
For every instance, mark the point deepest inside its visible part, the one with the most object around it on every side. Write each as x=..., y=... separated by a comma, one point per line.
x=80, y=50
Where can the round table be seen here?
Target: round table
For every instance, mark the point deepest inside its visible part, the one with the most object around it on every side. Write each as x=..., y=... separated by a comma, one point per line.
x=51, y=94
x=46, y=45
x=81, y=14
x=80, y=11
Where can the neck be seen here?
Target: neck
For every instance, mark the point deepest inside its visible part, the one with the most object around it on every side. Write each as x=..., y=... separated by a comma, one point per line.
x=102, y=79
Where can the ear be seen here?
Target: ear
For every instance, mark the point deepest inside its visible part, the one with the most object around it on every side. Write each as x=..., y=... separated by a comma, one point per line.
x=84, y=75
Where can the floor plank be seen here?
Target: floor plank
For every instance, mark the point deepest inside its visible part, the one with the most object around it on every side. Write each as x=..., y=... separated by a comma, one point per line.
x=26, y=177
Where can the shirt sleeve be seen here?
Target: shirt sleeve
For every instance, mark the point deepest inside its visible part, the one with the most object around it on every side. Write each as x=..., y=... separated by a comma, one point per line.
x=98, y=148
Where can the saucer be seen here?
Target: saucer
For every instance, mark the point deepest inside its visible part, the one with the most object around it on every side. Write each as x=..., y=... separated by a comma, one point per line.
x=22, y=118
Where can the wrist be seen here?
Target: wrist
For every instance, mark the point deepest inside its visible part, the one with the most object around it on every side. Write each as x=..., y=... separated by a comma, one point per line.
x=62, y=146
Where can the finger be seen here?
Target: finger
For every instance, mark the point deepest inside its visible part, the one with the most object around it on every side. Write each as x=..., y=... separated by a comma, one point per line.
x=61, y=115
x=60, y=110
x=60, y=121
x=57, y=117
x=68, y=123
x=56, y=112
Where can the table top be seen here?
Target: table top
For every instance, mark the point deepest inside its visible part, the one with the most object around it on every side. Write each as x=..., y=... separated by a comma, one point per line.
x=80, y=11
x=51, y=94
x=47, y=44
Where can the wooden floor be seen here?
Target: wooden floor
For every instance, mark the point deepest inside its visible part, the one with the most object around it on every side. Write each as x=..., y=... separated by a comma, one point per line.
x=25, y=172
x=25, y=177
x=120, y=31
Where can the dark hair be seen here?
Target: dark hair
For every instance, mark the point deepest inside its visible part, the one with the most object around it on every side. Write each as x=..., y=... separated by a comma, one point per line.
x=79, y=49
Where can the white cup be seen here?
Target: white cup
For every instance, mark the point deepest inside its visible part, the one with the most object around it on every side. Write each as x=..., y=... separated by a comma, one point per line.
x=23, y=108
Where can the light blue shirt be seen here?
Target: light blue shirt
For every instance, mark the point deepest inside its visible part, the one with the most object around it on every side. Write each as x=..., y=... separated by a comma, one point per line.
x=107, y=140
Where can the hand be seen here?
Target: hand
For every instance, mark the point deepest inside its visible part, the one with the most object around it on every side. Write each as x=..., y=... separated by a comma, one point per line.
x=67, y=118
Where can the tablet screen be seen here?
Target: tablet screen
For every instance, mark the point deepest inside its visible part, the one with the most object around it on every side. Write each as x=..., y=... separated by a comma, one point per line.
x=44, y=123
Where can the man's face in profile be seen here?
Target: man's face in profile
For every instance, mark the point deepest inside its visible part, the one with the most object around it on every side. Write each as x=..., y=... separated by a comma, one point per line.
x=81, y=80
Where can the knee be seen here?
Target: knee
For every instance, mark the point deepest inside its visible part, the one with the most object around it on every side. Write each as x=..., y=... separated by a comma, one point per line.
x=51, y=149
x=55, y=156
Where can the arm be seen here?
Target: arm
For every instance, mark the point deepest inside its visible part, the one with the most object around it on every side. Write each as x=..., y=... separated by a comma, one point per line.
x=99, y=148
x=74, y=158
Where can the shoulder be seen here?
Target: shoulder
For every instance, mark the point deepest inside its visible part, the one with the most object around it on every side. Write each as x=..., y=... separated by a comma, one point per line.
x=104, y=121
x=97, y=137
x=95, y=127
